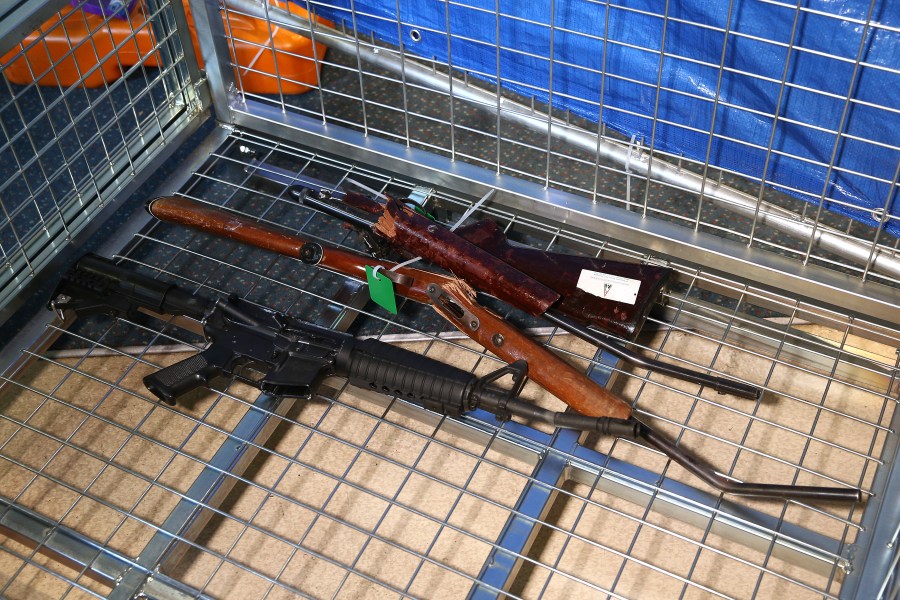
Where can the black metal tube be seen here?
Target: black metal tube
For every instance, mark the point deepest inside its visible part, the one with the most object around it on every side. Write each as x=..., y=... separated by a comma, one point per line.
x=310, y=199
x=722, y=385
x=741, y=488
x=634, y=429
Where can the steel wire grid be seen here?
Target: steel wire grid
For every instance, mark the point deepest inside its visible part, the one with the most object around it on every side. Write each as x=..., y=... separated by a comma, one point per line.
x=67, y=150
x=432, y=104
x=107, y=493
x=354, y=493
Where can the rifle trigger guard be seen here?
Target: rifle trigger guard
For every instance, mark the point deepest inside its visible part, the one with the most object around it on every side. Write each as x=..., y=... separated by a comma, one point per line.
x=519, y=372
x=439, y=297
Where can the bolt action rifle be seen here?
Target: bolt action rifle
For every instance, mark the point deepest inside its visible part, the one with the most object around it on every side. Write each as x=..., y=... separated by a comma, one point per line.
x=569, y=291
x=285, y=356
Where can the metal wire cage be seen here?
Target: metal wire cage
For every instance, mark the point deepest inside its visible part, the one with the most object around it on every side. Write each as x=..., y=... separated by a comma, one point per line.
x=106, y=492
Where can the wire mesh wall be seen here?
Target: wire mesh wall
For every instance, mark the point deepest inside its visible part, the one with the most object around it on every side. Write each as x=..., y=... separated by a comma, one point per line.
x=355, y=492
x=106, y=492
x=407, y=73
x=87, y=102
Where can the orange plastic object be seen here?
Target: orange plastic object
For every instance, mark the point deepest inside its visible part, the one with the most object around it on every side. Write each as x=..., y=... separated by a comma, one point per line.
x=68, y=48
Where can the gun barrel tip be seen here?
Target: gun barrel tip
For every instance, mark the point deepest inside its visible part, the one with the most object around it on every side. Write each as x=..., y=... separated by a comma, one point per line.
x=849, y=495
x=740, y=389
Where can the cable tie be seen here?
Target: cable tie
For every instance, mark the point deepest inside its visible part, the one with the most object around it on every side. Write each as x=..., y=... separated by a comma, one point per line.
x=473, y=208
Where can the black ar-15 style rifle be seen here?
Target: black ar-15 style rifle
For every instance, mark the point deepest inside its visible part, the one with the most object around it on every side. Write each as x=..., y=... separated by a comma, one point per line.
x=286, y=356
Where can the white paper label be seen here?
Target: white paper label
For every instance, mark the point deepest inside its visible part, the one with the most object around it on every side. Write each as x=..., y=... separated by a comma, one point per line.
x=610, y=287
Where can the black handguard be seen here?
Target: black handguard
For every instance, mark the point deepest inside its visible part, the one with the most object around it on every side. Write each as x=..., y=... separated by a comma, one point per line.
x=283, y=356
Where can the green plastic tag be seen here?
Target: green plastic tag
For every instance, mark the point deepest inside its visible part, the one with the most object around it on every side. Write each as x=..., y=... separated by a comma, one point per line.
x=421, y=210
x=381, y=290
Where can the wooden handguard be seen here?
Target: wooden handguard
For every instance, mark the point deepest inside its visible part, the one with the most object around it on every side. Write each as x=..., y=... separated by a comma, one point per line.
x=224, y=223
x=544, y=367
x=509, y=343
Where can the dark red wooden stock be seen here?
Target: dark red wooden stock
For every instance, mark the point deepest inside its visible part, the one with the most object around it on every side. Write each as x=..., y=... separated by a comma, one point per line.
x=560, y=272
x=423, y=237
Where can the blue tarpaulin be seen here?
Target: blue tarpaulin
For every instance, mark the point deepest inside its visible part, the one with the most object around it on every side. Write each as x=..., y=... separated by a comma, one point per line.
x=825, y=52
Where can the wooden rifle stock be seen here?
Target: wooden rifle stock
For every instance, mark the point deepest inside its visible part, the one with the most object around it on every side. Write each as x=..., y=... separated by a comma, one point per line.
x=450, y=297
x=224, y=223
x=440, y=246
x=509, y=343
x=532, y=280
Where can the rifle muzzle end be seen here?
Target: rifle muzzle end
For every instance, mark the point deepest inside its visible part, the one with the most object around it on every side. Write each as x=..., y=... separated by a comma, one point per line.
x=737, y=388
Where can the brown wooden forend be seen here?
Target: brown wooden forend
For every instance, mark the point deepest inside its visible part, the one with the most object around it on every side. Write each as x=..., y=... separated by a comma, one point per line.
x=545, y=367
x=222, y=222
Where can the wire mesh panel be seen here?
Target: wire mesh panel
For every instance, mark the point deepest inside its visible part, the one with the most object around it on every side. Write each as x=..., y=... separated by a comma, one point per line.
x=731, y=119
x=87, y=102
x=354, y=492
x=105, y=492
